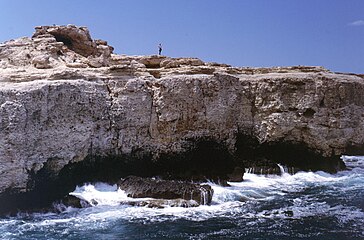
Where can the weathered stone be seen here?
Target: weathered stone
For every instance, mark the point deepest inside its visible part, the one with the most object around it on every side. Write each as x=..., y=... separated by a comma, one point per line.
x=76, y=39
x=162, y=203
x=137, y=187
x=136, y=109
x=153, y=61
x=41, y=62
x=174, y=63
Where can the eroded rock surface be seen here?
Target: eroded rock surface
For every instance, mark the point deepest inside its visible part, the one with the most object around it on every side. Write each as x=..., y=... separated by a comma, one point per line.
x=67, y=101
x=137, y=187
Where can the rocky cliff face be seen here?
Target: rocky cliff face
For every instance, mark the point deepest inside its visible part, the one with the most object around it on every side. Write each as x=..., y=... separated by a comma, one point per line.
x=71, y=110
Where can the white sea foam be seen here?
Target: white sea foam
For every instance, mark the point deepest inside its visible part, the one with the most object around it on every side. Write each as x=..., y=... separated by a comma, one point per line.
x=226, y=200
x=258, y=197
x=100, y=194
x=353, y=161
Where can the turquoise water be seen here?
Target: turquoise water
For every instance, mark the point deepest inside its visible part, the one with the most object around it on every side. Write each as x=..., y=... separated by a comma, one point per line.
x=305, y=205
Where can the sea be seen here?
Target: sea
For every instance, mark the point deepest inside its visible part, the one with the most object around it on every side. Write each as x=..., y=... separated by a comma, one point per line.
x=304, y=205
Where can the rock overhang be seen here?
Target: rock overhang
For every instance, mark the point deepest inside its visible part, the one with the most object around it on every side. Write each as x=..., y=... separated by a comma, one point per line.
x=67, y=107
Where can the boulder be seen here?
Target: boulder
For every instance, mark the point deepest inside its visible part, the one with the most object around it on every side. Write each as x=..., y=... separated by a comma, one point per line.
x=137, y=187
x=236, y=175
x=162, y=203
x=75, y=38
x=75, y=202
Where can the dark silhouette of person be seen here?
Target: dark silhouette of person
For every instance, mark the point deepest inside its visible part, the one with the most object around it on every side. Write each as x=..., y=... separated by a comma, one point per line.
x=160, y=49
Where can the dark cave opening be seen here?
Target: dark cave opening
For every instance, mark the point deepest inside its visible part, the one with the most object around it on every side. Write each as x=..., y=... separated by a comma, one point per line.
x=291, y=154
x=66, y=40
x=205, y=160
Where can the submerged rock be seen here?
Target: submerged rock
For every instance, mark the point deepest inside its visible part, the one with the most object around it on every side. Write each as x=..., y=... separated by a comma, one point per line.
x=75, y=202
x=137, y=187
x=236, y=175
x=162, y=203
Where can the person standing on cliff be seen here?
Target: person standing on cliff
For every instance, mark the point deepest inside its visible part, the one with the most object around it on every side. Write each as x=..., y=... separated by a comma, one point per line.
x=160, y=49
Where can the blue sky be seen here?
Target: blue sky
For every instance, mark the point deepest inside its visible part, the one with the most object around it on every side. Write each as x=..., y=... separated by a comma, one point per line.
x=256, y=33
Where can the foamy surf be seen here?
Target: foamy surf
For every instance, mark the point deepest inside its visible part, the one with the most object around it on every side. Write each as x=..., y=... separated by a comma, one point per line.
x=305, y=204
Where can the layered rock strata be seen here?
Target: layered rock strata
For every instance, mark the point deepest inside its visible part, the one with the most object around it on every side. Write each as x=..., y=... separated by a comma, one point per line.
x=72, y=111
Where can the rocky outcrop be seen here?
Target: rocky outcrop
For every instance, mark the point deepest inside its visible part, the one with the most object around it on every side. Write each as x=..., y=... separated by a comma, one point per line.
x=78, y=202
x=71, y=111
x=76, y=39
x=137, y=187
x=162, y=203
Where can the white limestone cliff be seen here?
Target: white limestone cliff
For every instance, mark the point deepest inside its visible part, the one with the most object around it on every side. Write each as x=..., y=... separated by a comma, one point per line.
x=64, y=96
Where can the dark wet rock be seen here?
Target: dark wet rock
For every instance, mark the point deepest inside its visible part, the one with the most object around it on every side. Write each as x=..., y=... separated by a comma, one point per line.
x=69, y=201
x=162, y=203
x=72, y=201
x=137, y=187
x=264, y=170
x=236, y=175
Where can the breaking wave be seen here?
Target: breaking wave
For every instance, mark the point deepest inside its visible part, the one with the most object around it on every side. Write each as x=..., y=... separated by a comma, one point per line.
x=305, y=204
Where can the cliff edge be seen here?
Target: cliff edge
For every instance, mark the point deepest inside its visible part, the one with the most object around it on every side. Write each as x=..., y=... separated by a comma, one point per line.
x=72, y=111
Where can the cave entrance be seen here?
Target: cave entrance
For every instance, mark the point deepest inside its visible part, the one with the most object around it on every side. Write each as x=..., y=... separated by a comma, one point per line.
x=66, y=40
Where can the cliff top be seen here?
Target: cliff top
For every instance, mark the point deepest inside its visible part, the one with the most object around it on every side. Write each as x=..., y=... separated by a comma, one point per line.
x=69, y=52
